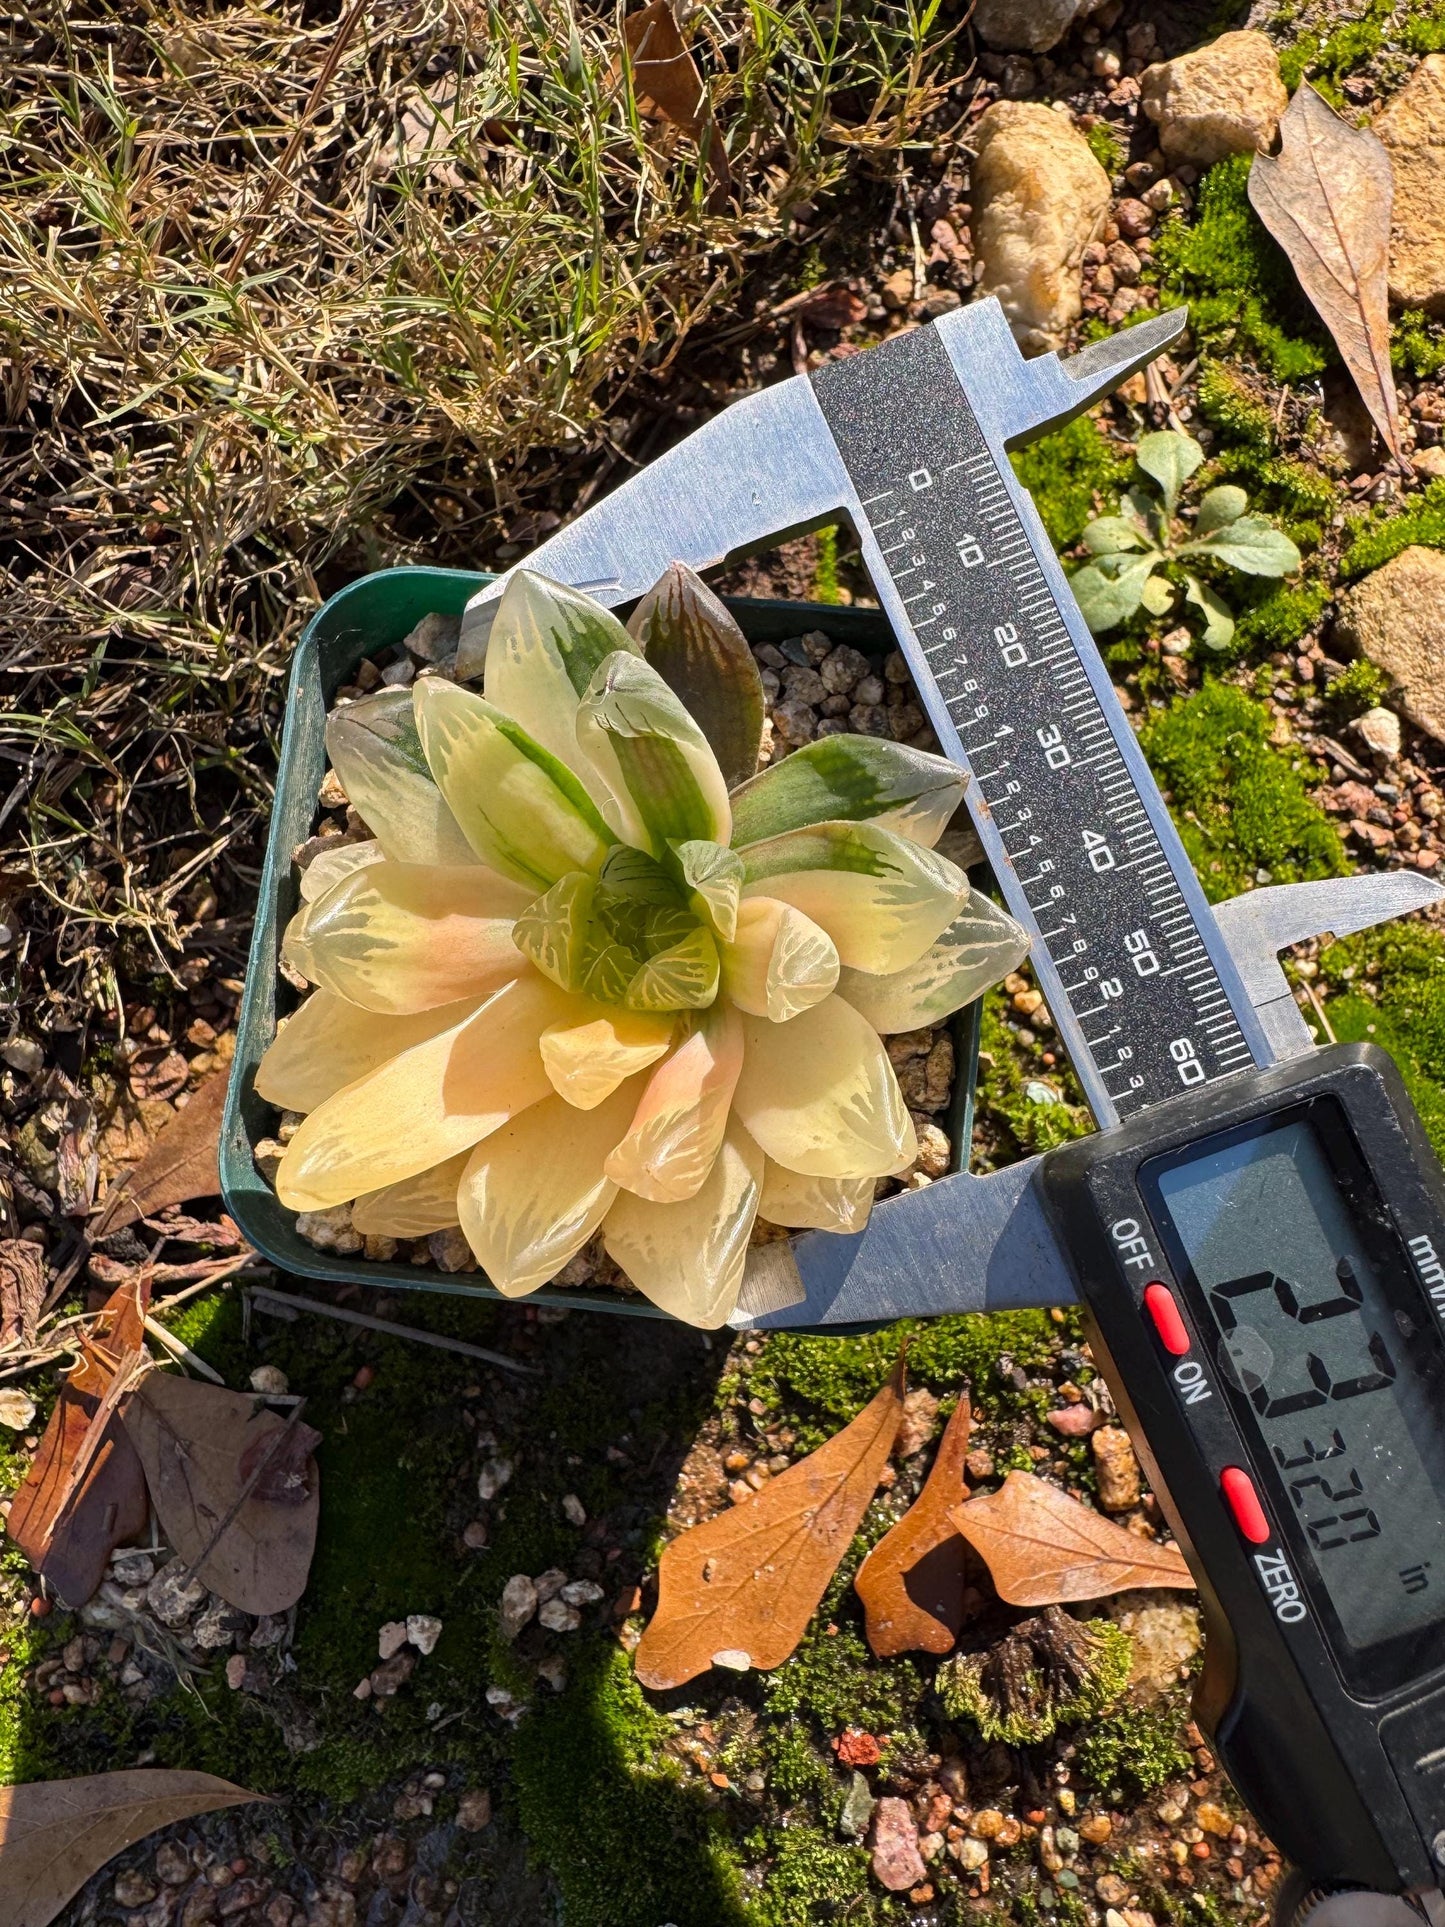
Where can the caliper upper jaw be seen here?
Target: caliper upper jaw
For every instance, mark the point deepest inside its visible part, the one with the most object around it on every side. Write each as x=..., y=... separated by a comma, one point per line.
x=1257, y=925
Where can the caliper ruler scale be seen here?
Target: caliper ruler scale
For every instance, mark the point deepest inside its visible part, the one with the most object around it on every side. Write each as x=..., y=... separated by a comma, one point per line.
x=1257, y=1230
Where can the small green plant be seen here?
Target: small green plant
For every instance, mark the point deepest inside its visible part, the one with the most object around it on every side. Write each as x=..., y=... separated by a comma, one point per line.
x=1363, y=686
x=1142, y=556
x=1134, y=1752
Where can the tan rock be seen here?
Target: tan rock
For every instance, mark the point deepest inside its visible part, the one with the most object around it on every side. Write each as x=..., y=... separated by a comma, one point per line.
x=1024, y=26
x=1117, y=1469
x=1396, y=617
x=1413, y=130
x=1222, y=99
x=1039, y=198
x=1166, y=1634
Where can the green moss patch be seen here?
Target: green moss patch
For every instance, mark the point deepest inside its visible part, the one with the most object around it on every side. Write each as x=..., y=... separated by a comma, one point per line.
x=1242, y=806
x=1389, y=989
x=1069, y=474
x=1382, y=536
x=1238, y=283
x=1134, y=1752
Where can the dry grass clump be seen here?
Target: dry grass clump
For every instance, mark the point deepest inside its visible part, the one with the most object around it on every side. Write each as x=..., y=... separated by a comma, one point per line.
x=223, y=375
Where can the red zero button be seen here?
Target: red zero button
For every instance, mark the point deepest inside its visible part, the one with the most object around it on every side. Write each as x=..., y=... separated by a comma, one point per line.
x=1160, y=1305
x=1243, y=1501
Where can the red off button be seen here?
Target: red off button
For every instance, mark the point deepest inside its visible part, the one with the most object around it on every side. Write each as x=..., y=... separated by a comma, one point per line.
x=1162, y=1310
x=1243, y=1501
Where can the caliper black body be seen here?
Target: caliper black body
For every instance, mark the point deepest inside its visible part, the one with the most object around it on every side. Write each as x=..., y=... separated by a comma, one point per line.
x=1263, y=1266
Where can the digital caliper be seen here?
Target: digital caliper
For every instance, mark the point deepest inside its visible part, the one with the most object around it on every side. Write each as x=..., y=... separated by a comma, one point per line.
x=1257, y=1229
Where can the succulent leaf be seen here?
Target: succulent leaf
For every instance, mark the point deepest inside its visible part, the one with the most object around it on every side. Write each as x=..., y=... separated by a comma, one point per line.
x=688, y=1257
x=981, y=945
x=522, y=810
x=701, y=654
x=814, y=1204
x=779, y=963
x=553, y=930
x=534, y=1191
x=670, y=1145
x=425, y=1104
x=881, y=898
x=415, y=1207
x=399, y=937
x=850, y=779
x=328, y=1043
x=652, y=753
x=326, y=869
x=684, y=976
x=712, y=877
x=376, y=751
x=545, y=645
x=820, y=1096
x=587, y=1061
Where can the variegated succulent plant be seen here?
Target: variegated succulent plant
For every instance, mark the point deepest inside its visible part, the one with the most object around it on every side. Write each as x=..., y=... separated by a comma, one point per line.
x=594, y=971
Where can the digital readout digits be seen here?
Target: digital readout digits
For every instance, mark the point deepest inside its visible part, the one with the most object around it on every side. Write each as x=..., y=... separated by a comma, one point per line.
x=1319, y=1332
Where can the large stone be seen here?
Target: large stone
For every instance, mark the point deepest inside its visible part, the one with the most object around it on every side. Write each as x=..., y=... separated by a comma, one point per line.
x=1413, y=130
x=1024, y=26
x=1396, y=617
x=897, y=1863
x=1039, y=198
x=1222, y=99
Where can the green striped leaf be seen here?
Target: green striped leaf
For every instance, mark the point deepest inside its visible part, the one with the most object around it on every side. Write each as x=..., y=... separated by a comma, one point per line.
x=521, y=810
x=653, y=757
x=376, y=751
x=850, y=779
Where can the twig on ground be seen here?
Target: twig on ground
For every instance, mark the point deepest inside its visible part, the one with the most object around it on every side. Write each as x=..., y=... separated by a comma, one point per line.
x=286, y=1302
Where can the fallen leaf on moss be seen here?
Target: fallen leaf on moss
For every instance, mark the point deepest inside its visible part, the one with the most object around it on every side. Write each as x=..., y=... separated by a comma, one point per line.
x=911, y=1583
x=180, y=1165
x=1326, y=198
x=201, y=1447
x=54, y=1835
x=85, y=1492
x=1043, y=1547
x=748, y=1581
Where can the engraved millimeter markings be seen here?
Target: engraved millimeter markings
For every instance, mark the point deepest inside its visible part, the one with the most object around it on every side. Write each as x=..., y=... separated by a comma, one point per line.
x=977, y=616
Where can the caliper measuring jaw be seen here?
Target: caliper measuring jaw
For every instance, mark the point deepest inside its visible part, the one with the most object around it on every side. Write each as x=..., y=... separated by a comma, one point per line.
x=908, y=442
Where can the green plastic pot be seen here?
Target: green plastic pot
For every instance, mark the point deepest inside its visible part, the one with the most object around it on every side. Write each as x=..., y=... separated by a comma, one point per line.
x=366, y=618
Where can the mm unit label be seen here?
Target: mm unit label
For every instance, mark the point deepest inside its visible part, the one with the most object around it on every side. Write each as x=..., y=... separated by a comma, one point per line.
x=1083, y=863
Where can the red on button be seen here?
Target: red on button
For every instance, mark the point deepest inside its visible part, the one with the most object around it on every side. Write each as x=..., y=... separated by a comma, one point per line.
x=1243, y=1501
x=1160, y=1305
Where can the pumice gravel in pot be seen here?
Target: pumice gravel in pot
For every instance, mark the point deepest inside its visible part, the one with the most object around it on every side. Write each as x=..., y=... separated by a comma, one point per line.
x=590, y=973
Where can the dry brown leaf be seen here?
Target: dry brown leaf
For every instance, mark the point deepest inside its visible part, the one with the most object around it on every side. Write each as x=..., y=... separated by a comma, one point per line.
x=67, y=1521
x=1326, y=199
x=667, y=83
x=912, y=1582
x=200, y=1445
x=1044, y=1547
x=180, y=1165
x=746, y=1583
x=56, y=1834
x=22, y=1289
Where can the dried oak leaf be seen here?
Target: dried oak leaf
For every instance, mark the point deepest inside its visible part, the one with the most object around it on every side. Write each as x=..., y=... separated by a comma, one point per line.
x=22, y=1289
x=67, y=1521
x=912, y=1582
x=1326, y=198
x=667, y=83
x=199, y=1445
x=746, y=1583
x=180, y=1165
x=54, y=1835
x=1043, y=1547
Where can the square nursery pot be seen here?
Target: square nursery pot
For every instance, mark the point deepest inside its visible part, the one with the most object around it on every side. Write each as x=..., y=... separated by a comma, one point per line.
x=369, y=616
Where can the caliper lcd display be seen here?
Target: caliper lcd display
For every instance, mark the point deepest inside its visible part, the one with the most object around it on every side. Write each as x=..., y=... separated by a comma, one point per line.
x=1331, y=1354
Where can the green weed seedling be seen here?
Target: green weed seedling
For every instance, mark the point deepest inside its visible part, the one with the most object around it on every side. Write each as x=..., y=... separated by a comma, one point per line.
x=1146, y=554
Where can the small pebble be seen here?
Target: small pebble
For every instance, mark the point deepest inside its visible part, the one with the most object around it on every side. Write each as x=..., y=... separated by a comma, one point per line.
x=573, y=1510
x=474, y=1810
x=391, y=1638
x=365, y=1377
x=423, y=1630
